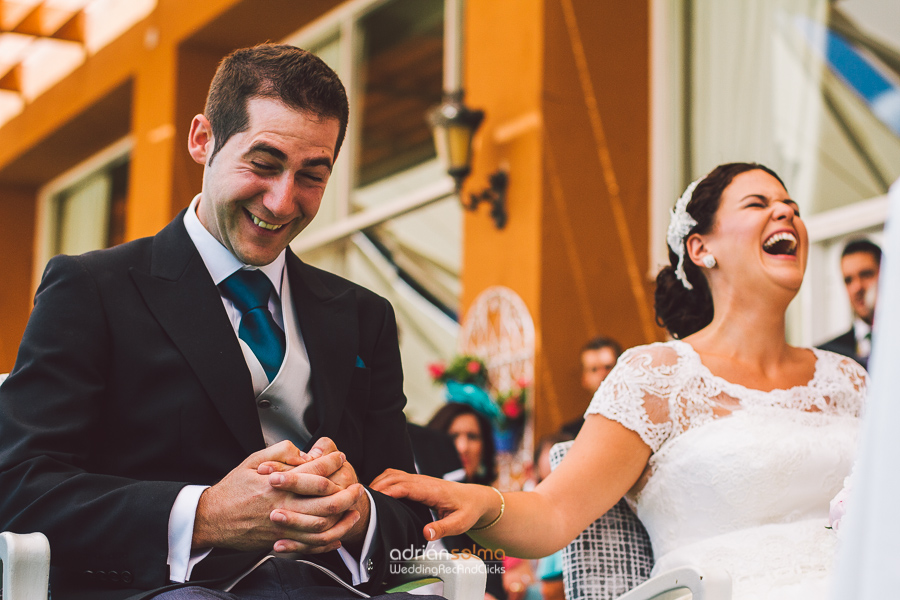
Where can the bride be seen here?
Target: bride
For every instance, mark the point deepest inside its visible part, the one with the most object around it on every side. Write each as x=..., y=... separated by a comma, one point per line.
x=728, y=442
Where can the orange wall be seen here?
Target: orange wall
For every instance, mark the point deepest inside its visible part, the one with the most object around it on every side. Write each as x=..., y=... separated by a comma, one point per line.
x=565, y=87
x=16, y=246
x=503, y=75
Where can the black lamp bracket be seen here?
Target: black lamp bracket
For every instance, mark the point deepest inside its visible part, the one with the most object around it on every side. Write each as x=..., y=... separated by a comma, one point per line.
x=495, y=194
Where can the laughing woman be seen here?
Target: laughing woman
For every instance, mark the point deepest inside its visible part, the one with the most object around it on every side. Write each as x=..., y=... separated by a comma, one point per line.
x=728, y=442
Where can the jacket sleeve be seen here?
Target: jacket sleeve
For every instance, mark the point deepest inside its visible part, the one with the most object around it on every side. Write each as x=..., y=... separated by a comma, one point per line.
x=51, y=416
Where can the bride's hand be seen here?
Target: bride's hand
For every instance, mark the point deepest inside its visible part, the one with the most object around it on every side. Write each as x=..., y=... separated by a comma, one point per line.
x=459, y=506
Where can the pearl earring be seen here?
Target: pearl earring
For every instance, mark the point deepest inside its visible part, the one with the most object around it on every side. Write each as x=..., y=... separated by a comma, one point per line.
x=709, y=261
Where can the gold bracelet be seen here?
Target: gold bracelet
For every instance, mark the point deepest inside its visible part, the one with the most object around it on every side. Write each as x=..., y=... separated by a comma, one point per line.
x=497, y=520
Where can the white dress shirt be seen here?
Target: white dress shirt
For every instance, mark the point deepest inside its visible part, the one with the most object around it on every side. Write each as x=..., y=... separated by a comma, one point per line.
x=221, y=263
x=862, y=331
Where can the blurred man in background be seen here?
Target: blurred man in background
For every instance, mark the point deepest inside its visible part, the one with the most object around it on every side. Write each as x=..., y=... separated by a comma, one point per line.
x=860, y=265
x=598, y=357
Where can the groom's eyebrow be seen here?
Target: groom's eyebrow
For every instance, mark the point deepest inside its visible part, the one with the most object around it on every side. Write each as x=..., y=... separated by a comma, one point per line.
x=267, y=149
x=280, y=155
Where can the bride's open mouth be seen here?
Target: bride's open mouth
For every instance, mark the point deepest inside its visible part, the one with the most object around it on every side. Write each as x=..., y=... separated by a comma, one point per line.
x=781, y=243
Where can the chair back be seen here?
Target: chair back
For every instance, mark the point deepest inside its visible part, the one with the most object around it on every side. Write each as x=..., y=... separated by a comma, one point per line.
x=610, y=557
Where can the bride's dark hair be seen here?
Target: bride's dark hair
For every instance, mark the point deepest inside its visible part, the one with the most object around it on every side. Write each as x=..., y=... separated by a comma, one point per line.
x=678, y=309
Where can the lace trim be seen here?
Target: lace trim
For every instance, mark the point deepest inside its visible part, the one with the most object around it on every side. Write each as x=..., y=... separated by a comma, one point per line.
x=662, y=390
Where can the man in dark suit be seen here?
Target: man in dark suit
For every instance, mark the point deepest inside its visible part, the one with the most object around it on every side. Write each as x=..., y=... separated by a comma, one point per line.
x=153, y=424
x=598, y=357
x=860, y=265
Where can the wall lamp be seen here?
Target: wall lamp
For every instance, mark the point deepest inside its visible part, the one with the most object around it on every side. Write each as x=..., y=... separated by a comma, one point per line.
x=454, y=126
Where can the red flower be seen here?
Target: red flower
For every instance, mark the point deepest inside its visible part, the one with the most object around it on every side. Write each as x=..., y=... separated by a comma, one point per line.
x=473, y=367
x=436, y=369
x=512, y=409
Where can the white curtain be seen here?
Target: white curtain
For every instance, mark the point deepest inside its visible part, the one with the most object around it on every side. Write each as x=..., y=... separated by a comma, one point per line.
x=83, y=216
x=870, y=553
x=762, y=90
x=754, y=93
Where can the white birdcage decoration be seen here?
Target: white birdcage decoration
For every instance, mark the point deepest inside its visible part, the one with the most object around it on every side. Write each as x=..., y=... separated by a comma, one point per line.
x=499, y=330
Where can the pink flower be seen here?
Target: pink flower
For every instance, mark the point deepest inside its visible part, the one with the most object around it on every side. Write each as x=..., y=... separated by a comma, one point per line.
x=838, y=506
x=523, y=383
x=437, y=370
x=473, y=367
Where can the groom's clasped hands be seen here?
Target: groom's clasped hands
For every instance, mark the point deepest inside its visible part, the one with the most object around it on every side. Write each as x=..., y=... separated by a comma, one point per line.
x=286, y=500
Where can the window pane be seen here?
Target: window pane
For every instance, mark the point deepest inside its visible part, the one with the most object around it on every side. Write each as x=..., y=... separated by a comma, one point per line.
x=400, y=72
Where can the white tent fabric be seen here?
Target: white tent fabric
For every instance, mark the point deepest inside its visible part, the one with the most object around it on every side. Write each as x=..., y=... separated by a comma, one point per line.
x=869, y=558
x=777, y=101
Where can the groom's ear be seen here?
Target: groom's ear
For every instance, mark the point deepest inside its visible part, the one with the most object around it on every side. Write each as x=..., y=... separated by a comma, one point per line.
x=200, y=139
x=696, y=249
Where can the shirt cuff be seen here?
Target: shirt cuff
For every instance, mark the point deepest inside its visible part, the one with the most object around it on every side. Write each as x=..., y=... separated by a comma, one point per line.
x=359, y=571
x=181, y=558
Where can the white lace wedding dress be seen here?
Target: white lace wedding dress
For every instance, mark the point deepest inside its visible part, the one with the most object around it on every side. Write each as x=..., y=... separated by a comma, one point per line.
x=738, y=478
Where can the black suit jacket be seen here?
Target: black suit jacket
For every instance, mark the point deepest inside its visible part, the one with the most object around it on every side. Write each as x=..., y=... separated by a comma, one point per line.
x=130, y=384
x=846, y=344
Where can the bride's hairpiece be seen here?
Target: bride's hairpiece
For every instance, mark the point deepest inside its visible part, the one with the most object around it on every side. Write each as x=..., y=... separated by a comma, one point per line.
x=680, y=224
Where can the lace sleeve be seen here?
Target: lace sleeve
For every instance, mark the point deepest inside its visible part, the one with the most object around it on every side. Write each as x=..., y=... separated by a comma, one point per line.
x=638, y=391
x=845, y=385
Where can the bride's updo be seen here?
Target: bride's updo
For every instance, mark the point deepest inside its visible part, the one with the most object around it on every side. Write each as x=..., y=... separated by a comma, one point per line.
x=685, y=311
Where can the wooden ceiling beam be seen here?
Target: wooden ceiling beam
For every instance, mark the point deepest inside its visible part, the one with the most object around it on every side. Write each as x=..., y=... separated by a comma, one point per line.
x=30, y=23
x=46, y=21
x=73, y=29
x=12, y=80
x=13, y=13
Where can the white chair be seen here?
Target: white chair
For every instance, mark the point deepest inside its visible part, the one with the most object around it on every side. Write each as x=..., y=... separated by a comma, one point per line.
x=26, y=565
x=613, y=557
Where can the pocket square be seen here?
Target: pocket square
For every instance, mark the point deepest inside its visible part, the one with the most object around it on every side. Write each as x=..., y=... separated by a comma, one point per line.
x=360, y=363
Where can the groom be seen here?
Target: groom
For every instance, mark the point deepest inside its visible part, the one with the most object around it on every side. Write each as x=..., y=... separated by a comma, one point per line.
x=153, y=424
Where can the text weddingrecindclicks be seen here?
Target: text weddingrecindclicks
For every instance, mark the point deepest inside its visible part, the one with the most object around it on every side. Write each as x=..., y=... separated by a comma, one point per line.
x=492, y=559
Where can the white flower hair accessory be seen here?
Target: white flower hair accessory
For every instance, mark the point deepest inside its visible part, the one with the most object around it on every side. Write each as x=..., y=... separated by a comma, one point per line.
x=679, y=225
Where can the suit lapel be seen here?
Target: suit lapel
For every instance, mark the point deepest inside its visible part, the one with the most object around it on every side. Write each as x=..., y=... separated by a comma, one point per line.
x=329, y=325
x=182, y=296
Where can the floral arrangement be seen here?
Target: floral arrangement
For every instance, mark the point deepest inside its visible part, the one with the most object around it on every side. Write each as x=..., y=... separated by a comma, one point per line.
x=466, y=380
x=838, y=505
x=512, y=404
x=463, y=369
